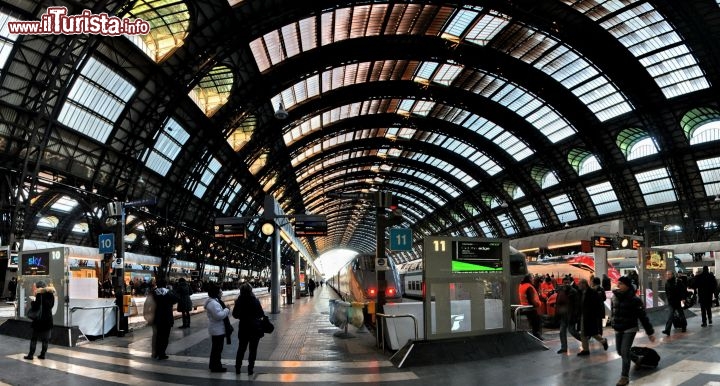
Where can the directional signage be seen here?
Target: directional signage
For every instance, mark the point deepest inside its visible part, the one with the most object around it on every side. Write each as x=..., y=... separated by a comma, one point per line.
x=400, y=239
x=106, y=243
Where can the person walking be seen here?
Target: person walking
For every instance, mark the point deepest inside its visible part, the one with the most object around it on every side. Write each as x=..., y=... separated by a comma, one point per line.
x=42, y=326
x=529, y=297
x=675, y=292
x=163, y=320
x=185, y=305
x=12, y=288
x=589, y=323
x=311, y=287
x=249, y=311
x=216, y=313
x=705, y=284
x=627, y=310
x=567, y=309
x=600, y=290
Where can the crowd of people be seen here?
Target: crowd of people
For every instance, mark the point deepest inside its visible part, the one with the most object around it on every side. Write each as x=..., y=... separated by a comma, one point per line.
x=578, y=307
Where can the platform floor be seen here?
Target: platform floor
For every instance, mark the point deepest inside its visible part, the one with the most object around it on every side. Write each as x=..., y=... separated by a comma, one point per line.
x=304, y=349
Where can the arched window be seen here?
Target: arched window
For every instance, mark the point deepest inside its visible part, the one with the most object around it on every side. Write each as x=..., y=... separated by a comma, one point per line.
x=701, y=125
x=169, y=24
x=636, y=143
x=583, y=161
x=213, y=90
x=239, y=137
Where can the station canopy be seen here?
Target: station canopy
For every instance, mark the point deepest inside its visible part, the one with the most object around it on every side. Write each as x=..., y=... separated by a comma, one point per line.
x=483, y=118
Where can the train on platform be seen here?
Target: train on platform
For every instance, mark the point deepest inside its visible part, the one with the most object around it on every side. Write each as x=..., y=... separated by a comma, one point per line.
x=414, y=287
x=357, y=281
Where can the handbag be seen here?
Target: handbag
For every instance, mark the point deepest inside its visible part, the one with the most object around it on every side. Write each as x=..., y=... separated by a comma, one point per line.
x=35, y=313
x=266, y=326
x=228, y=330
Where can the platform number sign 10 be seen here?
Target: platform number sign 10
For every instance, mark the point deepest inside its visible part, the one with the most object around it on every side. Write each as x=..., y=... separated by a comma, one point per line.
x=106, y=243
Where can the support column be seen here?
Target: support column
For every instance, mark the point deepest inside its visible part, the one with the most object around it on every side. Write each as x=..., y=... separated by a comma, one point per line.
x=380, y=254
x=297, y=275
x=119, y=284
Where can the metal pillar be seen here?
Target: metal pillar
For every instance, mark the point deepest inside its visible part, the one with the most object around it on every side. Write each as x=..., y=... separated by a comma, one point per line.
x=119, y=286
x=297, y=275
x=380, y=254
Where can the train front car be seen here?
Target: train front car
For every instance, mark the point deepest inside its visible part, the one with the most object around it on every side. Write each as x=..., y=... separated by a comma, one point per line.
x=357, y=281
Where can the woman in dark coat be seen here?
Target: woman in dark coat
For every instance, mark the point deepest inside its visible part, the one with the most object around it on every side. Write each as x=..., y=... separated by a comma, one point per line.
x=42, y=327
x=589, y=325
x=249, y=311
x=183, y=291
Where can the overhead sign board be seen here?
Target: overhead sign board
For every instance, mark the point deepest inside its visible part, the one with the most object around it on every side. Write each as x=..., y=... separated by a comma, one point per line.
x=230, y=231
x=230, y=227
x=602, y=242
x=310, y=225
x=400, y=239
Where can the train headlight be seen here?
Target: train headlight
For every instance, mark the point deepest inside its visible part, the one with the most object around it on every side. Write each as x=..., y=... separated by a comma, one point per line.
x=372, y=292
x=391, y=291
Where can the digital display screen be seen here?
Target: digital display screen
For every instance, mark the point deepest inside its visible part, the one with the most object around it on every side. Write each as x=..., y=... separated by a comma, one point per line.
x=655, y=260
x=602, y=242
x=311, y=228
x=36, y=263
x=477, y=256
x=230, y=231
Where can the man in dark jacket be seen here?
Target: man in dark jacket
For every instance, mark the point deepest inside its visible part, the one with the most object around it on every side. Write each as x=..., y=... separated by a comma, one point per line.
x=706, y=285
x=567, y=310
x=163, y=321
x=627, y=311
x=675, y=292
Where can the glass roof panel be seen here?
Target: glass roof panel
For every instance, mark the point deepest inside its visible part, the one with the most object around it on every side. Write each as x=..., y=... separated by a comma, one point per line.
x=167, y=147
x=488, y=232
x=169, y=26
x=95, y=101
x=649, y=37
x=567, y=66
x=347, y=23
x=486, y=28
x=604, y=198
x=531, y=216
x=208, y=175
x=507, y=223
x=7, y=40
x=64, y=204
x=656, y=186
x=710, y=174
x=563, y=207
x=213, y=90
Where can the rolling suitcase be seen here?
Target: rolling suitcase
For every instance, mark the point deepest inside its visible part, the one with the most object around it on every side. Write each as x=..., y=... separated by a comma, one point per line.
x=678, y=322
x=644, y=356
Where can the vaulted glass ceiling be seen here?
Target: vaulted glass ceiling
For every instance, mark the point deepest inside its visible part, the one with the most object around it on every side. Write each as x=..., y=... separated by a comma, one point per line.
x=497, y=119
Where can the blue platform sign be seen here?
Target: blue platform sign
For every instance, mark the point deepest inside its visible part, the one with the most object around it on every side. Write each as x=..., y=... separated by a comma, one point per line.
x=400, y=239
x=106, y=243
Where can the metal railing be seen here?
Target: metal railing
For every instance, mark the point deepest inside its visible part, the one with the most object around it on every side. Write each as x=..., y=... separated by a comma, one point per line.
x=380, y=336
x=73, y=309
x=517, y=309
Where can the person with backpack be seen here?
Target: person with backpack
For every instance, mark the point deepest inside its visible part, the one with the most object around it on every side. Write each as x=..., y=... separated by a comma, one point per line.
x=627, y=310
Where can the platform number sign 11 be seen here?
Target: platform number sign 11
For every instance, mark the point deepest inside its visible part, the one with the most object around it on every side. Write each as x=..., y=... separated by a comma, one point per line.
x=400, y=239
